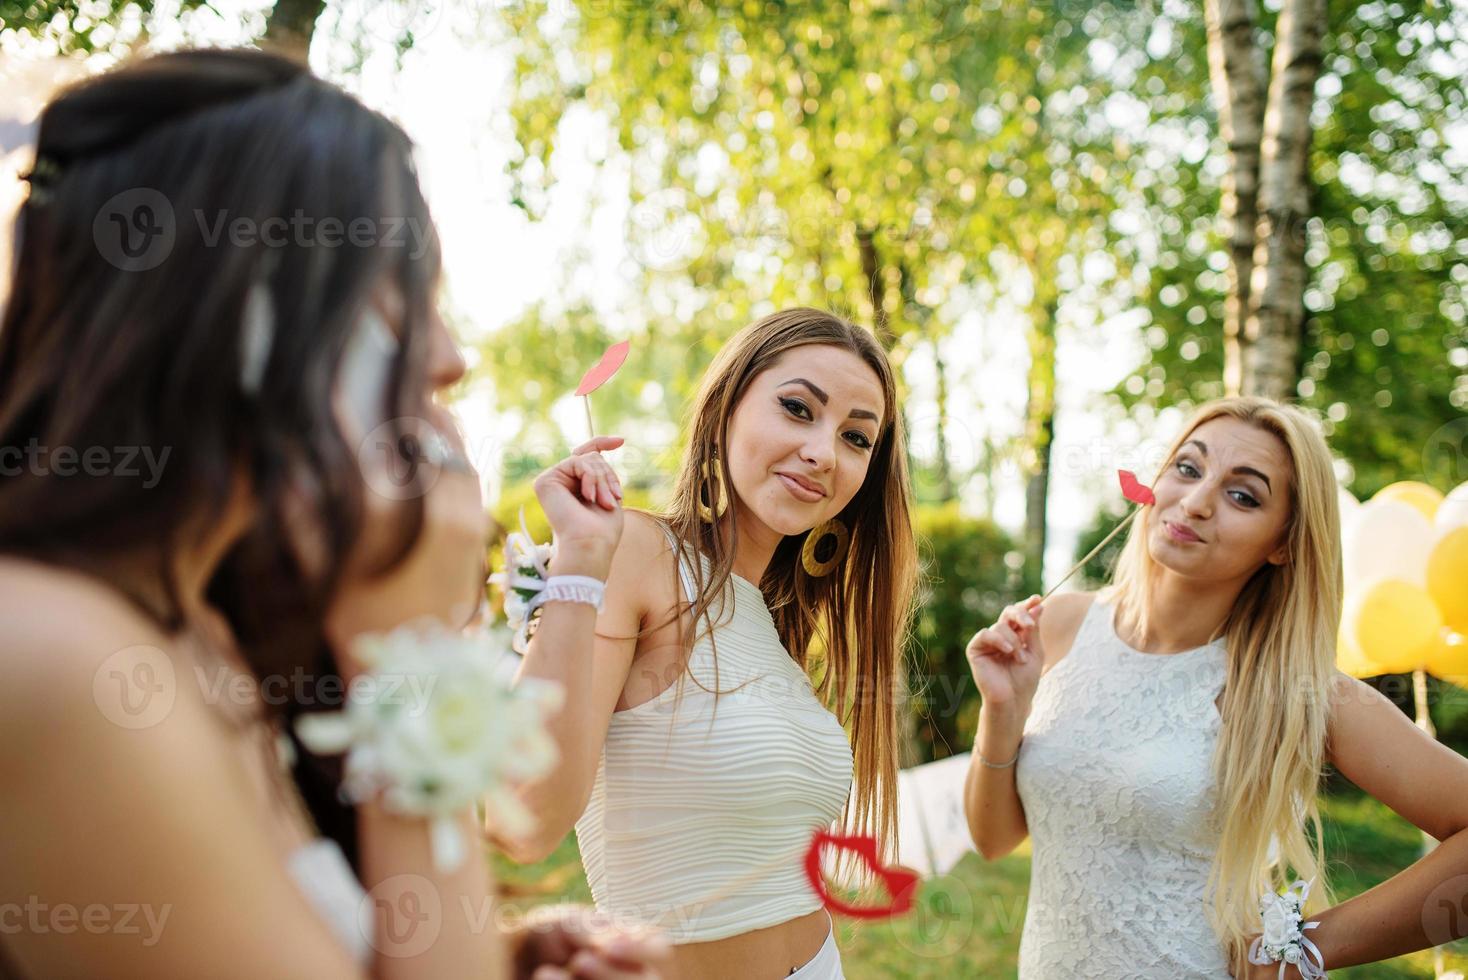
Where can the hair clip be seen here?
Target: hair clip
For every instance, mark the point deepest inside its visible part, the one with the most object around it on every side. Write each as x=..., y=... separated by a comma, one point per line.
x=257, y=336
x=42, y=177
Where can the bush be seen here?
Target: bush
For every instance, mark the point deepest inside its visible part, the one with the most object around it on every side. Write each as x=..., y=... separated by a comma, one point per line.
x=967, y=582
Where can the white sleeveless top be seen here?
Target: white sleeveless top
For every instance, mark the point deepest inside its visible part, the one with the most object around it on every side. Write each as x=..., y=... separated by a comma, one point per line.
x=1115, y=775
x=694, y=793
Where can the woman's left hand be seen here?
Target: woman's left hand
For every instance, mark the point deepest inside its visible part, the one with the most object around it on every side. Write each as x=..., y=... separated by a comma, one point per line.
x=573, y=941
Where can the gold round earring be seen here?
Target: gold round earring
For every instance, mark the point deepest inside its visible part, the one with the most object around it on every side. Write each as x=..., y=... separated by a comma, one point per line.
x=815, y=566
x=712, y=486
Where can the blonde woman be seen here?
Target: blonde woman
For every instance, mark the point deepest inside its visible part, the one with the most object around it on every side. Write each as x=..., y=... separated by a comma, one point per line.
x=1163, y=740
x=698, y=758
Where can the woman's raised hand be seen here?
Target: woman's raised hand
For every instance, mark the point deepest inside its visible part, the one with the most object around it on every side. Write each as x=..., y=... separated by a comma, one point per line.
x=582, y=498
x=1006, y=659
x=442, y=576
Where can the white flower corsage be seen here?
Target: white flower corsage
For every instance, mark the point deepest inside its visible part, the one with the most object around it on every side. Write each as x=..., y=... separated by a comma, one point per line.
x=529, y=585
x=1283, y=940
x=527, y=569
x=431, y=727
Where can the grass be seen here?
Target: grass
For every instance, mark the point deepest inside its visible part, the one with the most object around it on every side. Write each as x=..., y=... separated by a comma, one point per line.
x=967, y=923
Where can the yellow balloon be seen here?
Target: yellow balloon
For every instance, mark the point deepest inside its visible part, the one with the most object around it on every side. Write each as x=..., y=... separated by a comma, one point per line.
x=1447, y=577
x=1449, y=658
x=1394, y=624
x=1348, y=659
x=1425, y=498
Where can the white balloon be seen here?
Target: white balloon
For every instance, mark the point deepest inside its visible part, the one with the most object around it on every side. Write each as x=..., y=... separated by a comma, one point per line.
x=1453, y=511
x=1349, y=507
x=1386, y=539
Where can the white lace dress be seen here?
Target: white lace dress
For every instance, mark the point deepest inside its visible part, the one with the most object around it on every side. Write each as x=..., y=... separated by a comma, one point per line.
x=1115, y=774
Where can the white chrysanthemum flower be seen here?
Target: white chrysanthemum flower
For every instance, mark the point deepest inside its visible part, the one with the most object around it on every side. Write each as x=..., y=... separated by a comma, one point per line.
x=433, y=728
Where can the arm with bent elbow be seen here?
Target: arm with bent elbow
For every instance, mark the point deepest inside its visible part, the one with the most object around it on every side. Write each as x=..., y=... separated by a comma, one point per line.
x=572, y=646
x=1006, y=660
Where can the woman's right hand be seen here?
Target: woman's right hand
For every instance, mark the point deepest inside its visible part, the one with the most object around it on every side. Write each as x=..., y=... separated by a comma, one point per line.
x=582, y=499
x=562, y=942
x=442, y=576
x=1007, y=658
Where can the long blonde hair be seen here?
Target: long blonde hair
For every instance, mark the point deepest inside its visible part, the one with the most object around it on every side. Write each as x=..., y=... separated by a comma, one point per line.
x=1281, y=636
x=861, y=612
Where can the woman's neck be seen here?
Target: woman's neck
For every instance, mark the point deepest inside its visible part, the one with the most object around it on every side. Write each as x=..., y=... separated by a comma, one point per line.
x=1180, y=614
x=753, y=546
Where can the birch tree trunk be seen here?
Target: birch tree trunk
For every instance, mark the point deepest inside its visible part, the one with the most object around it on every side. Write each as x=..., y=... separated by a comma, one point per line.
x=1039, y=435
x=872, y=272
x=289, y=27
x=1239, y=76
x=1272, y=331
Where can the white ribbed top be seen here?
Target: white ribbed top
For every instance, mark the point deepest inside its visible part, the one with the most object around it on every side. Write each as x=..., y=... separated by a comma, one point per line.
x=694, y=793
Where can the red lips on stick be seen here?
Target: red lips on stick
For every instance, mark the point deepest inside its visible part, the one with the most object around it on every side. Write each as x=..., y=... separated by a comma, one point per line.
x=901, y=884
x=600, y=373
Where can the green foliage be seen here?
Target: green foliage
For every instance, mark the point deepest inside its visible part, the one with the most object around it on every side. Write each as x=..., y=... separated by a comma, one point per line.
x=75, y=27
x=1386, y=340
x=969, y=580
x=885, y=164
x=1097, y=572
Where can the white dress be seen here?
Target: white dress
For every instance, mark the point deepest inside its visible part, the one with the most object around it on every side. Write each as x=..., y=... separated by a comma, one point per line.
x=1115, y=775
x=323, y=873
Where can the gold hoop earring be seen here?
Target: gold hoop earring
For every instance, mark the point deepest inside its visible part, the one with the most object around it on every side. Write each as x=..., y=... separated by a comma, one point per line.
x=814, y=566
x=712, y=484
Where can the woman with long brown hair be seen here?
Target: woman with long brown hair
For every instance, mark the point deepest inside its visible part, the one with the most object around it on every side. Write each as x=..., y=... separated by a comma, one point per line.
x=223, y=462
x=698, y=757
x=1162, y=741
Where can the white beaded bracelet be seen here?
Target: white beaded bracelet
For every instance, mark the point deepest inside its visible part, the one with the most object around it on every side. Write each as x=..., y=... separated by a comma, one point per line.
x=570, y=588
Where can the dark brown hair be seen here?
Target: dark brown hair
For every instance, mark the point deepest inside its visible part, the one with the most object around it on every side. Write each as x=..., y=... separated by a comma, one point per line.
x=858, y=615
x=105, y=346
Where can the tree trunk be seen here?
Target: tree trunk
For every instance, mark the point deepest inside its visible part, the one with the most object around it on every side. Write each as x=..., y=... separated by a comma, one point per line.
x=1272, y=331
x=871, y=270
x=946, y=488
x=1239, y=75
x=1039, y=437
x=290, y=25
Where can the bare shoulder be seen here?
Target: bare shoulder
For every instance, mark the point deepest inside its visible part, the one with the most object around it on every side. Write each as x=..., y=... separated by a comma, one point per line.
x=644, y=558
x=122, y=782
x=62, y=626
x=1364, y=724
x=644, y=537
x=1061, y=622
x=1356, y=705
x=1378, y=747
